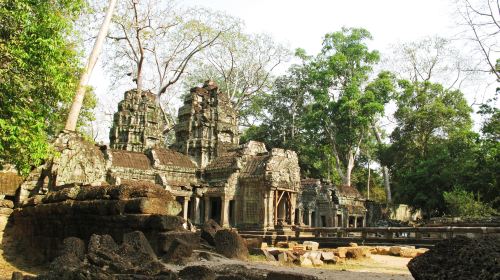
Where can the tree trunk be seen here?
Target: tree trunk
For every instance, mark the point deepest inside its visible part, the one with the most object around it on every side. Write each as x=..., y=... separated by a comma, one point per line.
x=76, y=106
x=348, y=170
x=385, y=170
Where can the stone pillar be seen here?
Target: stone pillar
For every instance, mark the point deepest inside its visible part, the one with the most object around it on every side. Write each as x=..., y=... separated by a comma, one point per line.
x=266, y=210
x=299, y=214
x=355, y=221
x=195, y=214
x=224, y=215
x=270, y=208
x=185, y=208
x=309, y=217
x=293, y=204
x=364, y=221
x=207, y=208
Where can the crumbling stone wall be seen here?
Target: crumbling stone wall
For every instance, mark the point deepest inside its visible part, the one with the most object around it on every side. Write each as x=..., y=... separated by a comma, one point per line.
x=41, y=224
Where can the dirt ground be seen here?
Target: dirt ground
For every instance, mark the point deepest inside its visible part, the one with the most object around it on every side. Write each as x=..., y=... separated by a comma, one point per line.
x=377, y=267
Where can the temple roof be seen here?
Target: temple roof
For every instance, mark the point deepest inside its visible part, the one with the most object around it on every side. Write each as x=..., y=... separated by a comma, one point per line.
x=128, y=159
x=255, y=165
x=172, y=158
x=227, y=161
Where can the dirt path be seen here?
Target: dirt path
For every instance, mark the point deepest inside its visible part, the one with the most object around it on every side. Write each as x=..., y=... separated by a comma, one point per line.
x=376, y=268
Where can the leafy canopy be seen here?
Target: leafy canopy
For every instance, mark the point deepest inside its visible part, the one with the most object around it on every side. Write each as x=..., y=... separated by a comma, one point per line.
x=38, y=75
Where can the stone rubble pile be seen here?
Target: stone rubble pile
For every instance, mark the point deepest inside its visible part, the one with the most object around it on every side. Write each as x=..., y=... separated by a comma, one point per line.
x=135, y=259
x=308, y=254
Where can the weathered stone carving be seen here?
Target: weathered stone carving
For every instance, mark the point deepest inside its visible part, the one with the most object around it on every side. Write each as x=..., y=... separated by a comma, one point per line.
x=138, y=124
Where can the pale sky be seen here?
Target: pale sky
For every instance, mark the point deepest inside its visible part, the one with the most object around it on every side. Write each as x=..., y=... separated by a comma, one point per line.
x=304, y=23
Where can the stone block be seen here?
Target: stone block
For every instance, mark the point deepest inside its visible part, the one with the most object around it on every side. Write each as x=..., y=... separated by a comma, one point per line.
x=5, y=203
x=165, y=239
x=208, y=231
x=230, y=244
x=327, y=256
x=311, y=245
x=197, y=272
x=178, y=251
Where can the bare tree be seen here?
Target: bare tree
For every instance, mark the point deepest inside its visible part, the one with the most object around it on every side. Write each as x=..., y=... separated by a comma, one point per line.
x=482, y=19
x=154, y=41
x=431, y=59
x=242, y=64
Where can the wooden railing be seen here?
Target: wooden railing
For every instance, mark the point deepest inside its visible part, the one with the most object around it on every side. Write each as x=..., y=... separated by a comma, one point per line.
x=417, y=233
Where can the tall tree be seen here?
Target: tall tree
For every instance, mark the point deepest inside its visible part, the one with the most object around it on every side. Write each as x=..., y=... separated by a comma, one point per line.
x=429, y=144
x=38, y=76
x=344, y=107
x=78, y=99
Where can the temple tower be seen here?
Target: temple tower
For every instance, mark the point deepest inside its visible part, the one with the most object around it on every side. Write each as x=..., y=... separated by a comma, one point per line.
x=207, y=124
x=138, y=124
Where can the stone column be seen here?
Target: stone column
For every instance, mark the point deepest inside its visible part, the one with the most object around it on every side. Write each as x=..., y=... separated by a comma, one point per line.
x=207, y=208
x=309, y=217
x=355, y=221
x=224, y=215
x=293, y=204
x=266, y=210
x=195, y=214
x=270, y=208
x=299, y=214
x=185, y=208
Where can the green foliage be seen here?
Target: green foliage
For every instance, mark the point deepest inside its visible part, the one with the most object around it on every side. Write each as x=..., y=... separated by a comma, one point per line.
x=461, y=203
x=38, y=75
x=345, y=105
x=434, y=150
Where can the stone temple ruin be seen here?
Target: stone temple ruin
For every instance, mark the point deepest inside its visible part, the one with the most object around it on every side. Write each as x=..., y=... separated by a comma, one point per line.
x=210, y=174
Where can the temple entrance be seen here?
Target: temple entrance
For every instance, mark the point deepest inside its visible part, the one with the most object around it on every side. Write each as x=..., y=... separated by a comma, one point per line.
x=215, y=209
x=339, y=220
x=323, y=221
x=232, y=217
x=359, y=222
x=283, y=208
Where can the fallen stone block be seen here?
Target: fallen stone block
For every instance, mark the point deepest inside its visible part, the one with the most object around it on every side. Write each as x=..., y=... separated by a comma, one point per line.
x=408, y=252
x=352, y=244
x=327, y=256
x=311, y=245
x=178, y=251
x=208, y=231
x=197, y=272
x=230, y=244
